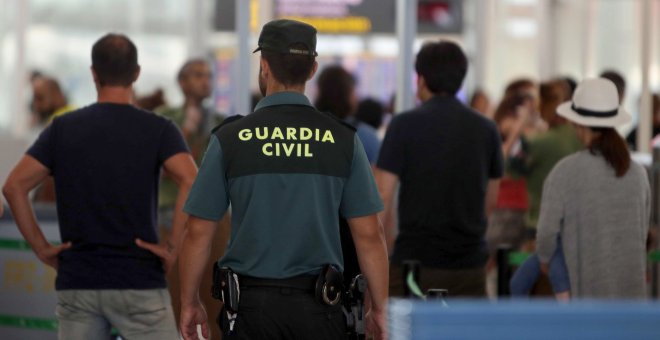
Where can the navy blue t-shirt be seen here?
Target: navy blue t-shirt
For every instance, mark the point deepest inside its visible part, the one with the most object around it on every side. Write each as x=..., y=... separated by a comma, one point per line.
x=106, y=159
x=444, y=155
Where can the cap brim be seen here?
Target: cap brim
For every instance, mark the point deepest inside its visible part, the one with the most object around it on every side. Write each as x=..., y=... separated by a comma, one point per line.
x=622, y=117
x=257, y=49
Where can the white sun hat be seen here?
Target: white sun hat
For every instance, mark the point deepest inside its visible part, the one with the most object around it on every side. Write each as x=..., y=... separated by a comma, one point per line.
x=596, y=104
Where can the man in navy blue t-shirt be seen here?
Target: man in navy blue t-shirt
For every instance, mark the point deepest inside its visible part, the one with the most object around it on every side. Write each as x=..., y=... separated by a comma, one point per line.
x=106, y=159
x=448, y=160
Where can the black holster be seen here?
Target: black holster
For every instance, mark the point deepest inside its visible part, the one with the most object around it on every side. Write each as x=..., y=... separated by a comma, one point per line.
x=329, y=285
x=225, y=288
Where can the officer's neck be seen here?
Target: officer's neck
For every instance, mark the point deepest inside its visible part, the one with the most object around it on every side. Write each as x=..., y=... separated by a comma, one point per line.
x=274, y=87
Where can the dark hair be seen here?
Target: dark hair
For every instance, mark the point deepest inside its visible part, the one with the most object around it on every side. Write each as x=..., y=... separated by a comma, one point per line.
x=370, y=111
x=290, y=69
x=618, y=81
x=613, y=148
x=335, y=86
x=508, y=106
x=114, y=59
x=572, y=84
x=517, y=86
x=185, y=69
x=551, y=94
x=478, y=92
x=443, y=66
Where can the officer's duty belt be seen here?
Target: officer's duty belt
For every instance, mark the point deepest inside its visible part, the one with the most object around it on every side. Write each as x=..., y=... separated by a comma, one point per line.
x=302, y=282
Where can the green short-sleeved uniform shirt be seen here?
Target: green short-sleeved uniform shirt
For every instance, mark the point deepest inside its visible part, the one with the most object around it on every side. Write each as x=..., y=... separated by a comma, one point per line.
x=287, y=170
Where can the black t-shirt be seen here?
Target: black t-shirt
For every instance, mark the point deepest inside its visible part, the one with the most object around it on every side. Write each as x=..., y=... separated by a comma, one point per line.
x=444, y=154
x=106, y=160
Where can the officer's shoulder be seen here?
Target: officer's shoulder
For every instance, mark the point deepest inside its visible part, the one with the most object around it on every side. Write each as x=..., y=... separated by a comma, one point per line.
x=337, y=120
x=226, y=122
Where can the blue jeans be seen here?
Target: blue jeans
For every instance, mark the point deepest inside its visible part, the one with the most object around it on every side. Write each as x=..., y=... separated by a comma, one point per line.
x=528, y=273
x=136, y=314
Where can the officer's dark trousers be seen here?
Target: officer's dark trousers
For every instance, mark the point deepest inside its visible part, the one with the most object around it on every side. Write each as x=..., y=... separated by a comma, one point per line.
x=284, y=313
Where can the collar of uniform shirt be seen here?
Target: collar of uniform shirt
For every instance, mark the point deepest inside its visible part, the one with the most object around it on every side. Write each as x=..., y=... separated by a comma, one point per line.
x=281, y=98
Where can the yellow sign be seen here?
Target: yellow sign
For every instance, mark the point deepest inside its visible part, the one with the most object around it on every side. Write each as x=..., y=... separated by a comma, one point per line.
x=349, y=24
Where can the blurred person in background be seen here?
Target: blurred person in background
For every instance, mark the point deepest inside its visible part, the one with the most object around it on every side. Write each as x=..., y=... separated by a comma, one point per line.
x=481, y=103
x=336, y=95
x=545, y=149
x=106, y=160
x=150, y=101
x=595, y=206
x=572, y=83
x=618, y=80
x=525, y=86
x=448, y=160
x=48, y=100
x=196, y=119
x=506, y=225
x=370, y=111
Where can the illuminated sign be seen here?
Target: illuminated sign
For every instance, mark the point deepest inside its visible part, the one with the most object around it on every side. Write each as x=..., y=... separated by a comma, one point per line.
x=354, y=16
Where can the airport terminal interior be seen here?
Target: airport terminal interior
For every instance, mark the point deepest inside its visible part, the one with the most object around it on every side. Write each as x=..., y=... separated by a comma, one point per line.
x=525, y=58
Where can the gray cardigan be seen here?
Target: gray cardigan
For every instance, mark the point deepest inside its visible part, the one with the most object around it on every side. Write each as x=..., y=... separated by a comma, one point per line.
x=603, y=222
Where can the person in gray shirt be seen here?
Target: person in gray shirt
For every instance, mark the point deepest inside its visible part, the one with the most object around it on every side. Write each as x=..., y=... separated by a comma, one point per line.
x=598, y=202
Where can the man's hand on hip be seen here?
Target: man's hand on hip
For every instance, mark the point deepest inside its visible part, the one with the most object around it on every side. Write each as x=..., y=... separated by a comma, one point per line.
x=166, y=252
x=49, y=254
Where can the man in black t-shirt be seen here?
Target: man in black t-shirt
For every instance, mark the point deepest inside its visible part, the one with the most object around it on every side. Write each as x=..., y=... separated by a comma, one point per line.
x=448, y=160
x=106, y=159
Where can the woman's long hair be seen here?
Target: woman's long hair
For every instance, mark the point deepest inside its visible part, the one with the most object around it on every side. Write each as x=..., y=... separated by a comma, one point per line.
x=610, y=144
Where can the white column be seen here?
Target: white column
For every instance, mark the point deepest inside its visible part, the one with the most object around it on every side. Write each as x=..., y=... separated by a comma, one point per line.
x=20, y=115
x=406, y=29
x=483, y=21
x=589, y=39
x=547, y=55
x=645, y=127
x=196, y=27
x=242, y=70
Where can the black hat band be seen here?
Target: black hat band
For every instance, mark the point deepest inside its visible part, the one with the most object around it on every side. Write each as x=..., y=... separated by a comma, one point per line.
x=590, y=113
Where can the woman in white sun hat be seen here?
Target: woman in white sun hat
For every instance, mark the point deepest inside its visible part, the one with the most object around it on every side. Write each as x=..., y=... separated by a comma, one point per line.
x=597, y=202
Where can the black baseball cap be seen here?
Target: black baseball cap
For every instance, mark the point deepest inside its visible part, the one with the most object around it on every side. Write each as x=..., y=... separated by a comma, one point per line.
x=279, y=35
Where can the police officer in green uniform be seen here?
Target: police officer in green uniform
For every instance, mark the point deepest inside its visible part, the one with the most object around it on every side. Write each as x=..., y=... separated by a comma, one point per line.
x=286, y=169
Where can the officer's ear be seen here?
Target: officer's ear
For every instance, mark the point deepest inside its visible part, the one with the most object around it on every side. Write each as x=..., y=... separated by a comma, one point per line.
x=315, y=67
x=265, y=68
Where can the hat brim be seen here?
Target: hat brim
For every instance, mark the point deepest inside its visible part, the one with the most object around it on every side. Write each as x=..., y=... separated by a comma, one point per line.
x=622, y=117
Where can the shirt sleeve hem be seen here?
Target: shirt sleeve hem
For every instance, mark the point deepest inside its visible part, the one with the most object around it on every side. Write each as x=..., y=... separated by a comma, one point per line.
x=365, y=212
x=38, y=159
x=204, y=216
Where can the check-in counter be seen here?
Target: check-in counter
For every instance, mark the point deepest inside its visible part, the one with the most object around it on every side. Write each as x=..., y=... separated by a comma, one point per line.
x=27, y=286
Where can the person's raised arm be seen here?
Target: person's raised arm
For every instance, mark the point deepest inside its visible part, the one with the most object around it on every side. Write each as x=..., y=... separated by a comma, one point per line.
x=372, y=255
x=182, y=169
x=27, y=174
